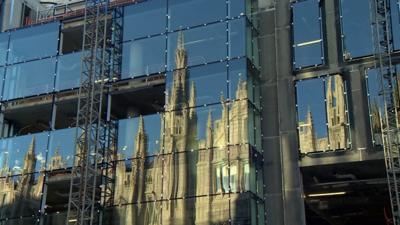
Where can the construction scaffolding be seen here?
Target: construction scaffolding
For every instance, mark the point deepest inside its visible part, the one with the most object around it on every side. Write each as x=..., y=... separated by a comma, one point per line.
x=93, y=174
x=383, y=47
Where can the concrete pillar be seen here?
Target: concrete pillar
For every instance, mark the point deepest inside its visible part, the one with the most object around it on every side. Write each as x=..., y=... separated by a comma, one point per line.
x=284, y=203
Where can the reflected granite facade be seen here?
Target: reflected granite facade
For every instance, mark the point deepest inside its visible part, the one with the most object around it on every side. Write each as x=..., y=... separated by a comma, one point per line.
x=336, y=117
x=201, y=173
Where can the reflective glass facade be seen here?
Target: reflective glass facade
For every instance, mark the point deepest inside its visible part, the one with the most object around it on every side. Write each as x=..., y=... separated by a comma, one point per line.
x=186, y=105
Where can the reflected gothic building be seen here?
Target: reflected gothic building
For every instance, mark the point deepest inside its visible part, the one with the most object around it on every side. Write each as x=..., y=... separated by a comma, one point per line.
x=20, y=195
x=157, y=189
x=336, y=116
x=176, y=175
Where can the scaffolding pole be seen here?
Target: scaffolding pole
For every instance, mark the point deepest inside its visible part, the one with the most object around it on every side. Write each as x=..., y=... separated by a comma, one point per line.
x=383, y=47
x=93, y=173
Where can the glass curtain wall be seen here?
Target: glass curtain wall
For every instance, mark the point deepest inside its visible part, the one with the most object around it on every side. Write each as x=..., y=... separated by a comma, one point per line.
x=188, y=150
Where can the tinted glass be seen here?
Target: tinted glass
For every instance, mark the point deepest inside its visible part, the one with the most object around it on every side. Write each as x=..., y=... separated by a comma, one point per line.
x=207, y=84
x=237, y=38
x=395, y=12
x=307, y=34
x=311, y=112
x=129, y=139
x=31, y=78
x=34, y=42
x=200, y=45
x=21, y=197
x=144, y=19
x=23, y=154
x=61, y=149
x=376, y=105
x=188, y=13
x=336, y=108
x=68, y=71
x=197, y=133
x=132, y=174
x=3, y=48
x=143, y=57
x=356, y=28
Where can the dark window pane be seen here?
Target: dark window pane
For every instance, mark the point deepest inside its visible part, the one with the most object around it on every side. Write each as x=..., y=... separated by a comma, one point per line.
x=200, y=45
x=68, y=71
x=312, y=115
x=23, y=154
x=356, y=28
x=144, y=19
x=307, y=34
x=3, y=48
x=206, y=85
x=34, y=42
x=31, y=78
x=188, y=13
x=130, y=135
x=143, y=57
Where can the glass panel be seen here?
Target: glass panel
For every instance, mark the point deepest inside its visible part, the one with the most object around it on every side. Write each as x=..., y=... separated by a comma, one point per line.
x=145, y=214
x=309, y=55
x=31, y=78
x=138, y=180
x=187, y=130
x=3, y=47
x=188, y=13
x=57, y=218
x=61, y=149
x=145, y=19
x=307, y=33
x=395, y=12
x=197, y=46
x=34, y=42
x=20, y=221
x=23, y=154
x=241, y=123
x=2, y=73
x=208, y=84
x=311, y=112
x=337, y=117
x=143, y=57
x=20, y=196
x=237, y=38
x=242, y=208
x=135, y=131
x=240, y=81
x=68, y=71
x=356, y=28
x=376, y=105
x=200, y=210
x=58, y=184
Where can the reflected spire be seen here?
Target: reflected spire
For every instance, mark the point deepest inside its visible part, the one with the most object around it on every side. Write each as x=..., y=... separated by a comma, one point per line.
x=141, y=139
x=181, y=41
x=180, y=53
x=209, y=131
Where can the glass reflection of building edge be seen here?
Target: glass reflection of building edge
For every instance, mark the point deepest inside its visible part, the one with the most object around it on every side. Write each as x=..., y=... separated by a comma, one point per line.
x=336, y=116
x=172, y=176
